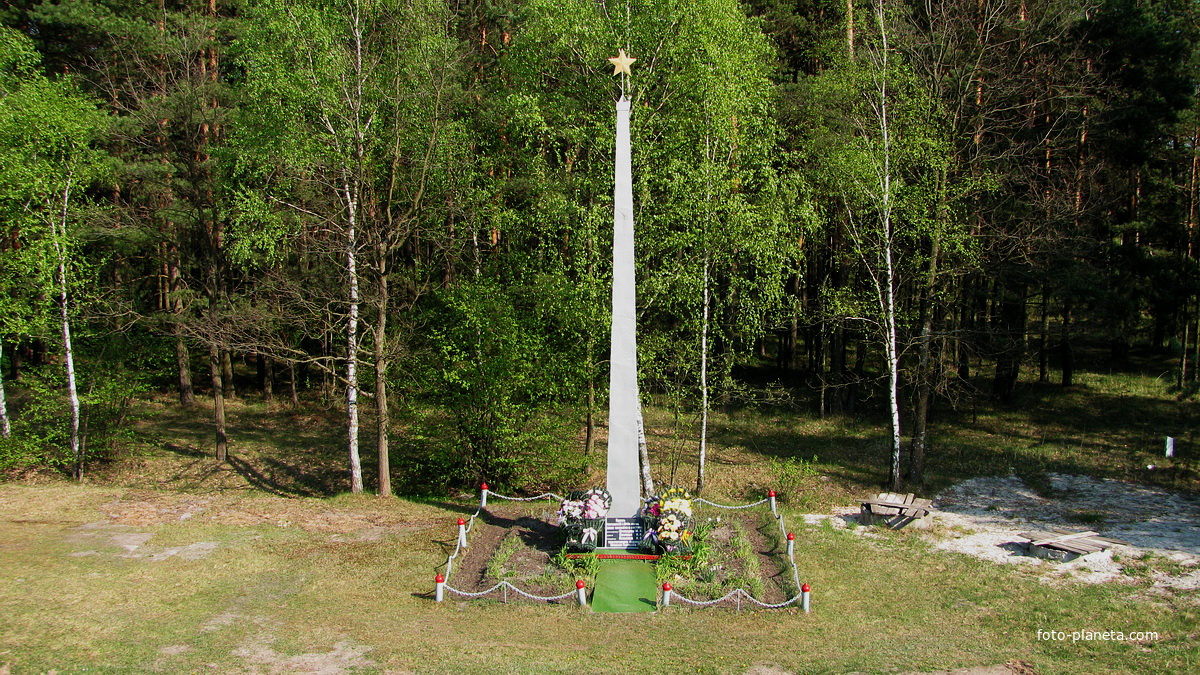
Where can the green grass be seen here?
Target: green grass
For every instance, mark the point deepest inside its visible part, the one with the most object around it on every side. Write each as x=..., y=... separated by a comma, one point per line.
x=270, y=595
x=1146, y=564
x=582, y=566
x=301, y=573
x=1109, y=425
x=497, y=566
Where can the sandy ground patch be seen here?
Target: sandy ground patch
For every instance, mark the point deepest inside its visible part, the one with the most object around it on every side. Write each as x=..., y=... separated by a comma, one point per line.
x=983, y=516
x=262, y=658
x=123, y=541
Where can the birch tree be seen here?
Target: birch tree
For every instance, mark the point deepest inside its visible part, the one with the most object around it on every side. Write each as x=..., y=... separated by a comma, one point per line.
x=310, y=69
x=882, y=154
x=351, y=128
x=46, y=127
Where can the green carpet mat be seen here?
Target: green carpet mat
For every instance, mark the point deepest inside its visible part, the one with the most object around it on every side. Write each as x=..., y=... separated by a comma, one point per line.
x=625, y=586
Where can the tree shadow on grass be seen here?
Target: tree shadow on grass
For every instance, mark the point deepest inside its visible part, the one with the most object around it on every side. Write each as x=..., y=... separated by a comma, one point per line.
x=267, y=482
x=1081, y=431
x=534, y=532
x=186, y=451
x=265, y=473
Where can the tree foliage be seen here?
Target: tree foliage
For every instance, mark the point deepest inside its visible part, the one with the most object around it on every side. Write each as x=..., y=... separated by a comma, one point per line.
x=406, y=205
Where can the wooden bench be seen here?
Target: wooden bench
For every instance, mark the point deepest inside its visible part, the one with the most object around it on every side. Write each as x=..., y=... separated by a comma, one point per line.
x=897, y=510
x=1066, y=544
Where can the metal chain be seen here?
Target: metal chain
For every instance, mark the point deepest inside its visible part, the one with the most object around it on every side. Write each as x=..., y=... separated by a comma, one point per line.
x=450, y=559
x=707, y=603
x=792, y=557
x=480, y=594
x=734, y=593
x=538, y=597
x=730, y=508
x=458, y=544
x=778, y=605
x=546, y=495
x=505, y=584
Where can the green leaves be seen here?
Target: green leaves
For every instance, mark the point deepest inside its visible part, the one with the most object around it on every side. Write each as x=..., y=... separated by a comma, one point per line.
x=503, y=370
x=46, y=130
x=18, y=60
x=45, y=125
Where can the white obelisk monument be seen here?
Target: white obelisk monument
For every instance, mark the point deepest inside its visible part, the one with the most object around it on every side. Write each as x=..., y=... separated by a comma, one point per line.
x=623, y=405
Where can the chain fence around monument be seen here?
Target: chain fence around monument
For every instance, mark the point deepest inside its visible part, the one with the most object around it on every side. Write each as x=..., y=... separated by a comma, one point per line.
x=736, y=596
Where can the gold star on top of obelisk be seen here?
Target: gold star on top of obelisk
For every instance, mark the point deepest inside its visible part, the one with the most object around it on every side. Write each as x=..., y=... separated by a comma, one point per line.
x=621, y=63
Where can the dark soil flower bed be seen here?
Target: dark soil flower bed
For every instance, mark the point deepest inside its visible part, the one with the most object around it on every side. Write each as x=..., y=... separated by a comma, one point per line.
x=518, y=543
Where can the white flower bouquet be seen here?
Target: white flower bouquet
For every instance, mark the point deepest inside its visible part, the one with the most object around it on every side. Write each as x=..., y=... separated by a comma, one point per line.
x=581, y=516
x=673, y=522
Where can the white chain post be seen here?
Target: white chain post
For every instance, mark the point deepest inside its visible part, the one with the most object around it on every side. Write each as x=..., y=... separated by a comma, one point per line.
x=462, y=532
x=483, y=493
x=666, y=595
x=804, y=591
x=581, y=592
x=771, y=496
x=440, y=592
x=791, y=539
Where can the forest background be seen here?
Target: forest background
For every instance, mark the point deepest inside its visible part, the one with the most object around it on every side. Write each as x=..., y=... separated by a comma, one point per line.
x=872, y=210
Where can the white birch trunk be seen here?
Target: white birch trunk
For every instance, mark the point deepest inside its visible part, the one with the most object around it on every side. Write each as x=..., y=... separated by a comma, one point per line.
x=356, y=484
x=351, y=184
x=891, y=348
x=644, y=456
x=5, y=426
x=60, y=251
x=708, y=156
x=893, y=359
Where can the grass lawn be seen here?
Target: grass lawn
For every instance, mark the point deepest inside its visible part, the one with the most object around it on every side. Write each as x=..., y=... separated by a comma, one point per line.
x=88, y=582
x=165, y=561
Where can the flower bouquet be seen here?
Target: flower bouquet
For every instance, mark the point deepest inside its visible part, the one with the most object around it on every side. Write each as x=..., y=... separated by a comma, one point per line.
x=582, y=518
x=674, y=535
x=596, y=503
x=649, y=517
x=667, y=522
x=675, y=521
x=677, y=500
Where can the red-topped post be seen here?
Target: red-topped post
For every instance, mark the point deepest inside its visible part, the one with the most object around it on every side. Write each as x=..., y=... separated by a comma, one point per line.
x=771, y=496
x=791, y=539
x=581, y=592
x=483, y=492
x=666, y=595
x=804, y=595
x=439, y=593
x=462, y=532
